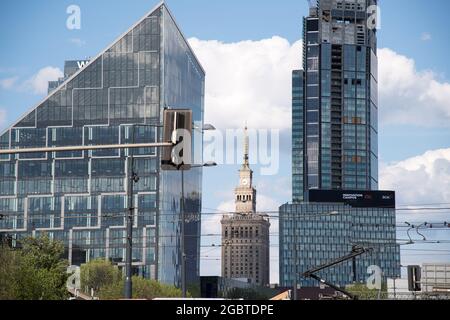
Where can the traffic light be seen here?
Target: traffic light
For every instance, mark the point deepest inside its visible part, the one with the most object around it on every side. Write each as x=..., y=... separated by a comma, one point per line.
x=178, y=131
x=414, y=277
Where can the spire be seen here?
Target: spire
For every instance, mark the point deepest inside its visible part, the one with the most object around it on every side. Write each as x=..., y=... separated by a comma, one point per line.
x=246, y=147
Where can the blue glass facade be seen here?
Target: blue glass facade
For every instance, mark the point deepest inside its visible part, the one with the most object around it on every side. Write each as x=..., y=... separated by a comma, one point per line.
x=298, y=136
x=80, y=197
x=340, y=99
x=319, y=238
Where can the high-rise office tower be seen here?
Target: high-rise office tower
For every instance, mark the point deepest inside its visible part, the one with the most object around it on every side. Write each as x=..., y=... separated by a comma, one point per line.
x=336, y=204
x=245, y=233
x=80, y=197
x=338, y=107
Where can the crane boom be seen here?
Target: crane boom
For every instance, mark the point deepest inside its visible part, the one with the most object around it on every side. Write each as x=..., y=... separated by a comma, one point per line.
x=356, y=252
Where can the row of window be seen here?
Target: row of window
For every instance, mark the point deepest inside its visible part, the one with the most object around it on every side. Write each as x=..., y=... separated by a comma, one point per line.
x=74, y=136
x=96, y=168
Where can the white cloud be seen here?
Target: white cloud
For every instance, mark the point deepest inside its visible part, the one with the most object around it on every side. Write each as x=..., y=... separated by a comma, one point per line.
x=248, y=81
x=8, y=83
x=78, y=42
x=211, y=222
x=425, y=36
x=409, y=96
x=424, y=179
x=38, y=83
x=280, y=187
x=251, y=81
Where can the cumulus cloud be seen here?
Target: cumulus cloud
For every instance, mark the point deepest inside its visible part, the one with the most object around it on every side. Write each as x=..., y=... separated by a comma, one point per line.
x=251, y=81
x=38, y=83
x=280, y=187
x=8, y=83
x=211, y=223
x=409, y=96
x=419, y=180
x=248, y=81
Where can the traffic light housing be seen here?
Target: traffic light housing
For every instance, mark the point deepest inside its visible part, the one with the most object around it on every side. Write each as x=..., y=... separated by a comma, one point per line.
x=178, y=131
x=414, y=277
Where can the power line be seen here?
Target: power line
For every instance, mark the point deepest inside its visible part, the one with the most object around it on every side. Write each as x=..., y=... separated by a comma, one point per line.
x=351, y=240
x=269, y=214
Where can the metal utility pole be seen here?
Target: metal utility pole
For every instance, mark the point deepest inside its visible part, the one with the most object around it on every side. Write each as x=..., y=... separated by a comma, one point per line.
x=395, y=290
x=295, y=293
x=183, y=222
x=182, y=245
x=132, y=179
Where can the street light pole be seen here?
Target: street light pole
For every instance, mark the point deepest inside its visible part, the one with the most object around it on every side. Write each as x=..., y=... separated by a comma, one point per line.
x=295, y=257
x=183, y=251
x=183, y=221
x=132, y=179
x=205, y=127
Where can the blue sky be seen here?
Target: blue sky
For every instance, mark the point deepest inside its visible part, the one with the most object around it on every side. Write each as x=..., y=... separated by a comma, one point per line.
x=33, y=35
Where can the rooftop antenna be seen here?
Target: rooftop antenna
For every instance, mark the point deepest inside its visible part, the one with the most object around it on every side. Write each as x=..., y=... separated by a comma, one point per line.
x=246, y=146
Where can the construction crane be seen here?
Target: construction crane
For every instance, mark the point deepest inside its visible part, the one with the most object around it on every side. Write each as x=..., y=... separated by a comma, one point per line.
x=356, y=252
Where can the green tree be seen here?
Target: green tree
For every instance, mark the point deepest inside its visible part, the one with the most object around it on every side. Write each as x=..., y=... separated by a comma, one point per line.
x=142, y=289
x=113, y=291
x=42, y=273
x=194, y=290
x=8, y=262
x=361, y=292
x=99, y=273
x=36, y=272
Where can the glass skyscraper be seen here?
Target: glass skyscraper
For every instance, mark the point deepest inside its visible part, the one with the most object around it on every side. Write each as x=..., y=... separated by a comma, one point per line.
x=335, y=148
x=79, y=197
x=339, y=148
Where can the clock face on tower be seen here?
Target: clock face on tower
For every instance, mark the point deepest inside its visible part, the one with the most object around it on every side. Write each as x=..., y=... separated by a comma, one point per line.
x=244, y=182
